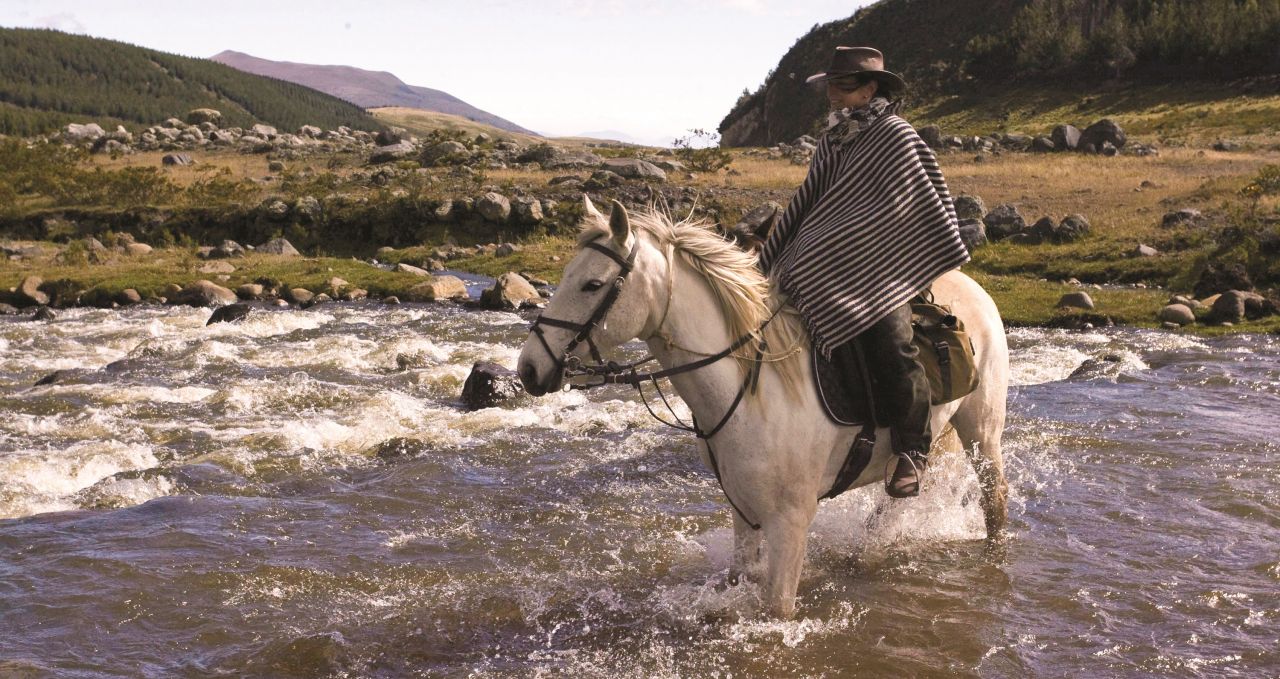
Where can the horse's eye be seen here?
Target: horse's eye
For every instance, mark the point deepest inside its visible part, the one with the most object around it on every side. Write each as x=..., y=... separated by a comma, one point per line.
x=592, y=286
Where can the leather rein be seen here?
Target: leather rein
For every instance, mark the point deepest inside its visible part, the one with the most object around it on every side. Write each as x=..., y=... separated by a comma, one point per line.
x=570, y=366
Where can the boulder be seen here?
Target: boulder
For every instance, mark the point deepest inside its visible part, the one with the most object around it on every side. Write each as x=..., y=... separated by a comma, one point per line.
x=1043, y=145
x=602, y=179
x=179, y=159
x=438, y=289
x=1229, y=307
x=128, y=297
x=390, y=135
x=308, y=208
x=225, y=250
x=754, y=227
x=77, y=133
x=391, y=300
x=249, y=291
x=263, y=131
x=970, y=207
x=411, y=269
x=204, y=293
x=310, y=131
x=1076, y=300
x=44, y=313
x=527, y=210
x=137, y=249
x=932, y=135
x=436, y=152
x=217, y=267
x=1072, y=228
x=300, y=296
x=972, y=233
x=276, y=166
x=1222, y=276
x=354, y=294
x=278, y=246
x=510, y=291
x=199, y=116
x=489, y=384
x=1004, y=221
x=229, y=313
x=1066, y=137
x=1043, y=230
x=494, y=207
x=634, y=168
x=1105, y=131
x=1177, y=313
x=391, y=152
x=29, y=294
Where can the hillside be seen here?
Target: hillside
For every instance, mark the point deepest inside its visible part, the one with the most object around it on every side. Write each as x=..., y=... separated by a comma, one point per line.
x=367, y=89
x=995, y=56
x=49, y=79
x=423, y=123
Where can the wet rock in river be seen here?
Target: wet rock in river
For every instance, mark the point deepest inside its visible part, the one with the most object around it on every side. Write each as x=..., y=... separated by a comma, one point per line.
x=510, y=291
x=490, y=384
x=204, y=293
x=44, y=313
x=230, y=313
x=439, y=288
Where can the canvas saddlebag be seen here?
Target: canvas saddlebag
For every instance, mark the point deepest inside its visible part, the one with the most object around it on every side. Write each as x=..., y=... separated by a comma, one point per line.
x=946, y=351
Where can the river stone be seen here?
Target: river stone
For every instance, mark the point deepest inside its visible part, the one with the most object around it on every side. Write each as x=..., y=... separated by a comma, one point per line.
x=391, y=300
x=44, y=313
x=354, y=294
x=249, y=291
x=229, y=313
x=1066, y=137
x=510, y=291
x=1076, y=300
x=1177, y=313
x=634, y=168
x=1229, y=307
x=1004, y=221
x=29, y=293
x=278, y=246
x=494, y=207
x=409, y=268
x=204, y=293
x=489, y=384
x=439, y=288
x=299, y=296
x=128, y=297
x=179, y=159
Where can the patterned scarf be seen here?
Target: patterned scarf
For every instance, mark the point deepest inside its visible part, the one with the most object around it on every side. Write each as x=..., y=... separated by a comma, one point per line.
x=844, y=125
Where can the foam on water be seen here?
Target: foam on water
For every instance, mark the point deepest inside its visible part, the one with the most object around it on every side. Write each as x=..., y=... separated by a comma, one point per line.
x=45, y=480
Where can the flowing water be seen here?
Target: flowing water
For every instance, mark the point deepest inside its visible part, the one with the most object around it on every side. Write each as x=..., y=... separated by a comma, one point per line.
x=301, y=495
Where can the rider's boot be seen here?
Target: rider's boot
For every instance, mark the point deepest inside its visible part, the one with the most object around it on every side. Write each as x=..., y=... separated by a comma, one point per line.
x=902, y=398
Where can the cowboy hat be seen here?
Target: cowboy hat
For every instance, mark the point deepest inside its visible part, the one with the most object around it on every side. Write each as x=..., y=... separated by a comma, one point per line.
x=849, y=61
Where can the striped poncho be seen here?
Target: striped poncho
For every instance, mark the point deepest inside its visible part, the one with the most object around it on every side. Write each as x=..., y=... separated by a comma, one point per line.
x=872, y=225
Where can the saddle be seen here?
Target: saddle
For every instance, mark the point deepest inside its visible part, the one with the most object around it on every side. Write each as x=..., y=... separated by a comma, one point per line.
x=848, y=396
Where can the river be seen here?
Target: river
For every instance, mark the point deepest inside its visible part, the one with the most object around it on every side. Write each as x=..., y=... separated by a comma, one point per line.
x=302, y=495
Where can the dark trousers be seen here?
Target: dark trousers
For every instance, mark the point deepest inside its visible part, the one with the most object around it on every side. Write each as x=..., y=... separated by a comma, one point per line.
x=901, y=386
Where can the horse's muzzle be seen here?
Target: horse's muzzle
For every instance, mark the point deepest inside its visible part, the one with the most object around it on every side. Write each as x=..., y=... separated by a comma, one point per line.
x=535, y=387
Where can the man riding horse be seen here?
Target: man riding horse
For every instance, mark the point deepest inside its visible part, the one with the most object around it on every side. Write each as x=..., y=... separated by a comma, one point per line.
x=872, y=226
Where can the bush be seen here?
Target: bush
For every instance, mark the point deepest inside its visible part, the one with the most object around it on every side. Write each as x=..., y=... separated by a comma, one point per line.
x=701, y=151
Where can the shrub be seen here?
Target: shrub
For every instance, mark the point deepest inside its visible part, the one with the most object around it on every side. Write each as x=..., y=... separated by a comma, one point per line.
x=701, y=151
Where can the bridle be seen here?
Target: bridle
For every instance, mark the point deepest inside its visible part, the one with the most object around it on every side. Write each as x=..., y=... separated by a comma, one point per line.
x=570, y=366
x=566, y=361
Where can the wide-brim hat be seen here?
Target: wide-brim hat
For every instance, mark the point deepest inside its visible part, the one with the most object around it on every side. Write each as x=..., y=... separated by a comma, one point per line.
x=867, y=61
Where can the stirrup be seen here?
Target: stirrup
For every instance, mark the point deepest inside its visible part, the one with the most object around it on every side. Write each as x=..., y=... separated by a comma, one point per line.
x=918, y=462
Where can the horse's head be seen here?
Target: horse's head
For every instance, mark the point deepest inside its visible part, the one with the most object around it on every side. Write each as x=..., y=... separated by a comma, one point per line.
x=602, y=301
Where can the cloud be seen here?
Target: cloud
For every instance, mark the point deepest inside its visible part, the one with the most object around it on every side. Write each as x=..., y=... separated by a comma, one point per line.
x=62, y=21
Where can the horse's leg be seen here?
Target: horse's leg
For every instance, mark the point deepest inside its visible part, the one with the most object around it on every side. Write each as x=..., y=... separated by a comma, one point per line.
x=980, y=427
x=787, y=534
x=746, y=552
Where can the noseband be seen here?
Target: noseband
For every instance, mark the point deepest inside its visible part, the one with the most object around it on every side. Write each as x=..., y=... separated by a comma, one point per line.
x=566, y=359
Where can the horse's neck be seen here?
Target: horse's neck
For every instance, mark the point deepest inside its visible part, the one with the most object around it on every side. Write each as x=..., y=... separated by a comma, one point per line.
x=697, y=326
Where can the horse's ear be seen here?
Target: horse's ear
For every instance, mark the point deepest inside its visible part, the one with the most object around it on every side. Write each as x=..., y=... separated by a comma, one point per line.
x=589, y=208
x=619, y=224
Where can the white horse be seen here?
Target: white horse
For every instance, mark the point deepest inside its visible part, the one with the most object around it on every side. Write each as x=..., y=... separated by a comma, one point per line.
x=690, y=294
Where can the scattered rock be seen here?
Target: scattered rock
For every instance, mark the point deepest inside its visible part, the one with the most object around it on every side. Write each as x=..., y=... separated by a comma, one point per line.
x=438, y=289
x=437, y=152
x=1070, y=229
x=602, y=179
x=204, y=293
x=300, y=296
x=634, y=168
x=250, y=291
x=507, y=249
x=226, y=250
x=229, y=313
x=1185, y=216
x=391, y=152
x=8, y=309
x=1226, y=145
x=970, y=207
x=279, y=246
x=128, y=297
x=527, y=210
x=1076, y=300
x=29, y=294
x=77, y=133
x=391, y=300
x=263, y=131
x=308, y=208
x=1043, y=145
x=510, y=291
x=494, y=207
x=409, y=268
x=204, y=115
x=1004, y=221
x=275, y=166
x=390, y=135
x=932, y=135
x=1228, y=308
x=180, y=159
x=489, y=384
x=217, y=267
x=1177, y=313
x=1145, y=251
x=973, y=234
x=137, y=249
x=1105, y=131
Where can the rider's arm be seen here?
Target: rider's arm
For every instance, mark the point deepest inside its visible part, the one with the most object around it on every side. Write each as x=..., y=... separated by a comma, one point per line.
x=815, y=184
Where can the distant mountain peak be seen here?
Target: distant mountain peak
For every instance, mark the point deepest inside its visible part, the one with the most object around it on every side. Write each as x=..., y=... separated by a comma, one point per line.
x=364, y=88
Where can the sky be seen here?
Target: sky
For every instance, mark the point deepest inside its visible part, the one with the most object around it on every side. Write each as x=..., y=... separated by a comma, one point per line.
x=652, y=69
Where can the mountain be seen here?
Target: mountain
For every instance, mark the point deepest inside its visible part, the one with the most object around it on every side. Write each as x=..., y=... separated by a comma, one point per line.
x=974, y=53
x=49, y=79
x=367, y=89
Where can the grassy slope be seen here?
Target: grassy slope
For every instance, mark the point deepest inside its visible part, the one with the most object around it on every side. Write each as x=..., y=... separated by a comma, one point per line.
x=422, y=123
